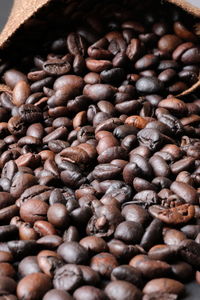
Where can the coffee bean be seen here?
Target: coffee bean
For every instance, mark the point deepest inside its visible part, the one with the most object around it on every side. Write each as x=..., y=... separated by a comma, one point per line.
x=176, y=215
x=68, y=278
x=189, y=250
x=103, y=263
x=152, y=235
x=7, y=285
x=28, y=265
x=128, y=232
x=150, y=268
x=157, y=295
x=173, y=237
x=56, y=67
x=90, y=277
x=182, y=270
x=75, y=252
x=33, y=210
x=55, y=294
x=57, y=215
x=89, y=292
x=135, y=213
x=150, y=138
x=21, y=92
x=33, y=286
x=187, y=193
x=120, y=289
x=164, y=285
x=49, y=261
x=149, y=85
x=94, y=244
x=13, y=77
x=169, y=42
x=99, y=91
x=76, y=44
x=127, y=273
x=191, y=56
x=134, y=49
x=159, y=166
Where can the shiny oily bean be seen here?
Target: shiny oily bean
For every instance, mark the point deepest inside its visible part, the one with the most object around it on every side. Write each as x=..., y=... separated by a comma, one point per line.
x=120, y=289
x=33, y=210
x=164, y=285
x=21, y=92
x=33, y=286
x=185, y=191
x=89, y=292
x=103, y=263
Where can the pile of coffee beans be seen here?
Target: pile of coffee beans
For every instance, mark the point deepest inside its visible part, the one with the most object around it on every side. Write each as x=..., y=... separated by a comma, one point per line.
x=100, y=160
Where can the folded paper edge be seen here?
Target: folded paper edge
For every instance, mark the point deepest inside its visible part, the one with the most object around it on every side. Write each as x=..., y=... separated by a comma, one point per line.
x=12, y=26
x=192, y=9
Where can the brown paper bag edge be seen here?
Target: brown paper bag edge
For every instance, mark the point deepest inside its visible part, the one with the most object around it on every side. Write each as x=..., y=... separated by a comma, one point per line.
x=20, y=13
x=186, y=6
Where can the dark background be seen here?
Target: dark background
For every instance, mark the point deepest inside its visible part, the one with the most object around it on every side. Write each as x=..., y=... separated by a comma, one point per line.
x=5, y=5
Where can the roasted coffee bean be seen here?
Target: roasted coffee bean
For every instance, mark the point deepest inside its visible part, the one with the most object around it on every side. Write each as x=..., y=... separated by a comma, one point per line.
x=149, y=85
x=163, y=252
x=128, y=232
x=33, y=286
x=103, y=263
x=90, y=277
x=164, y=285
x=152, y=235
x=135, y=213
x=13, y=76
x=189, y=250
x=182, y=270
x=134, y=49
x=76, y=44
x=173, y=237
x=89, y=292
x=120, y=289
x=28, y=265
x=7, y=285
x=55, y=294
x=94, y=244
x=150, y=138
x=68, y=278
x=33, y=210
x=30, y=113
x=50, y=241
x=158, y=295
x=127, y=273
x=49, y=261
x=16, y=126
x=160, y=167
x=58, y=215
x=75, y=252
x=150, y=268
x=56, y=67
x=185, y=191
x=99, y=91
x=176, y=215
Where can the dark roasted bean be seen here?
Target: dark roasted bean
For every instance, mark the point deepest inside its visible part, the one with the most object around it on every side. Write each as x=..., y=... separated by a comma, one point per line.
x=119, y=289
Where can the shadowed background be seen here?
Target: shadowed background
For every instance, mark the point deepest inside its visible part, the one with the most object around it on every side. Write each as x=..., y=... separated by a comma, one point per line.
x=5, y=6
